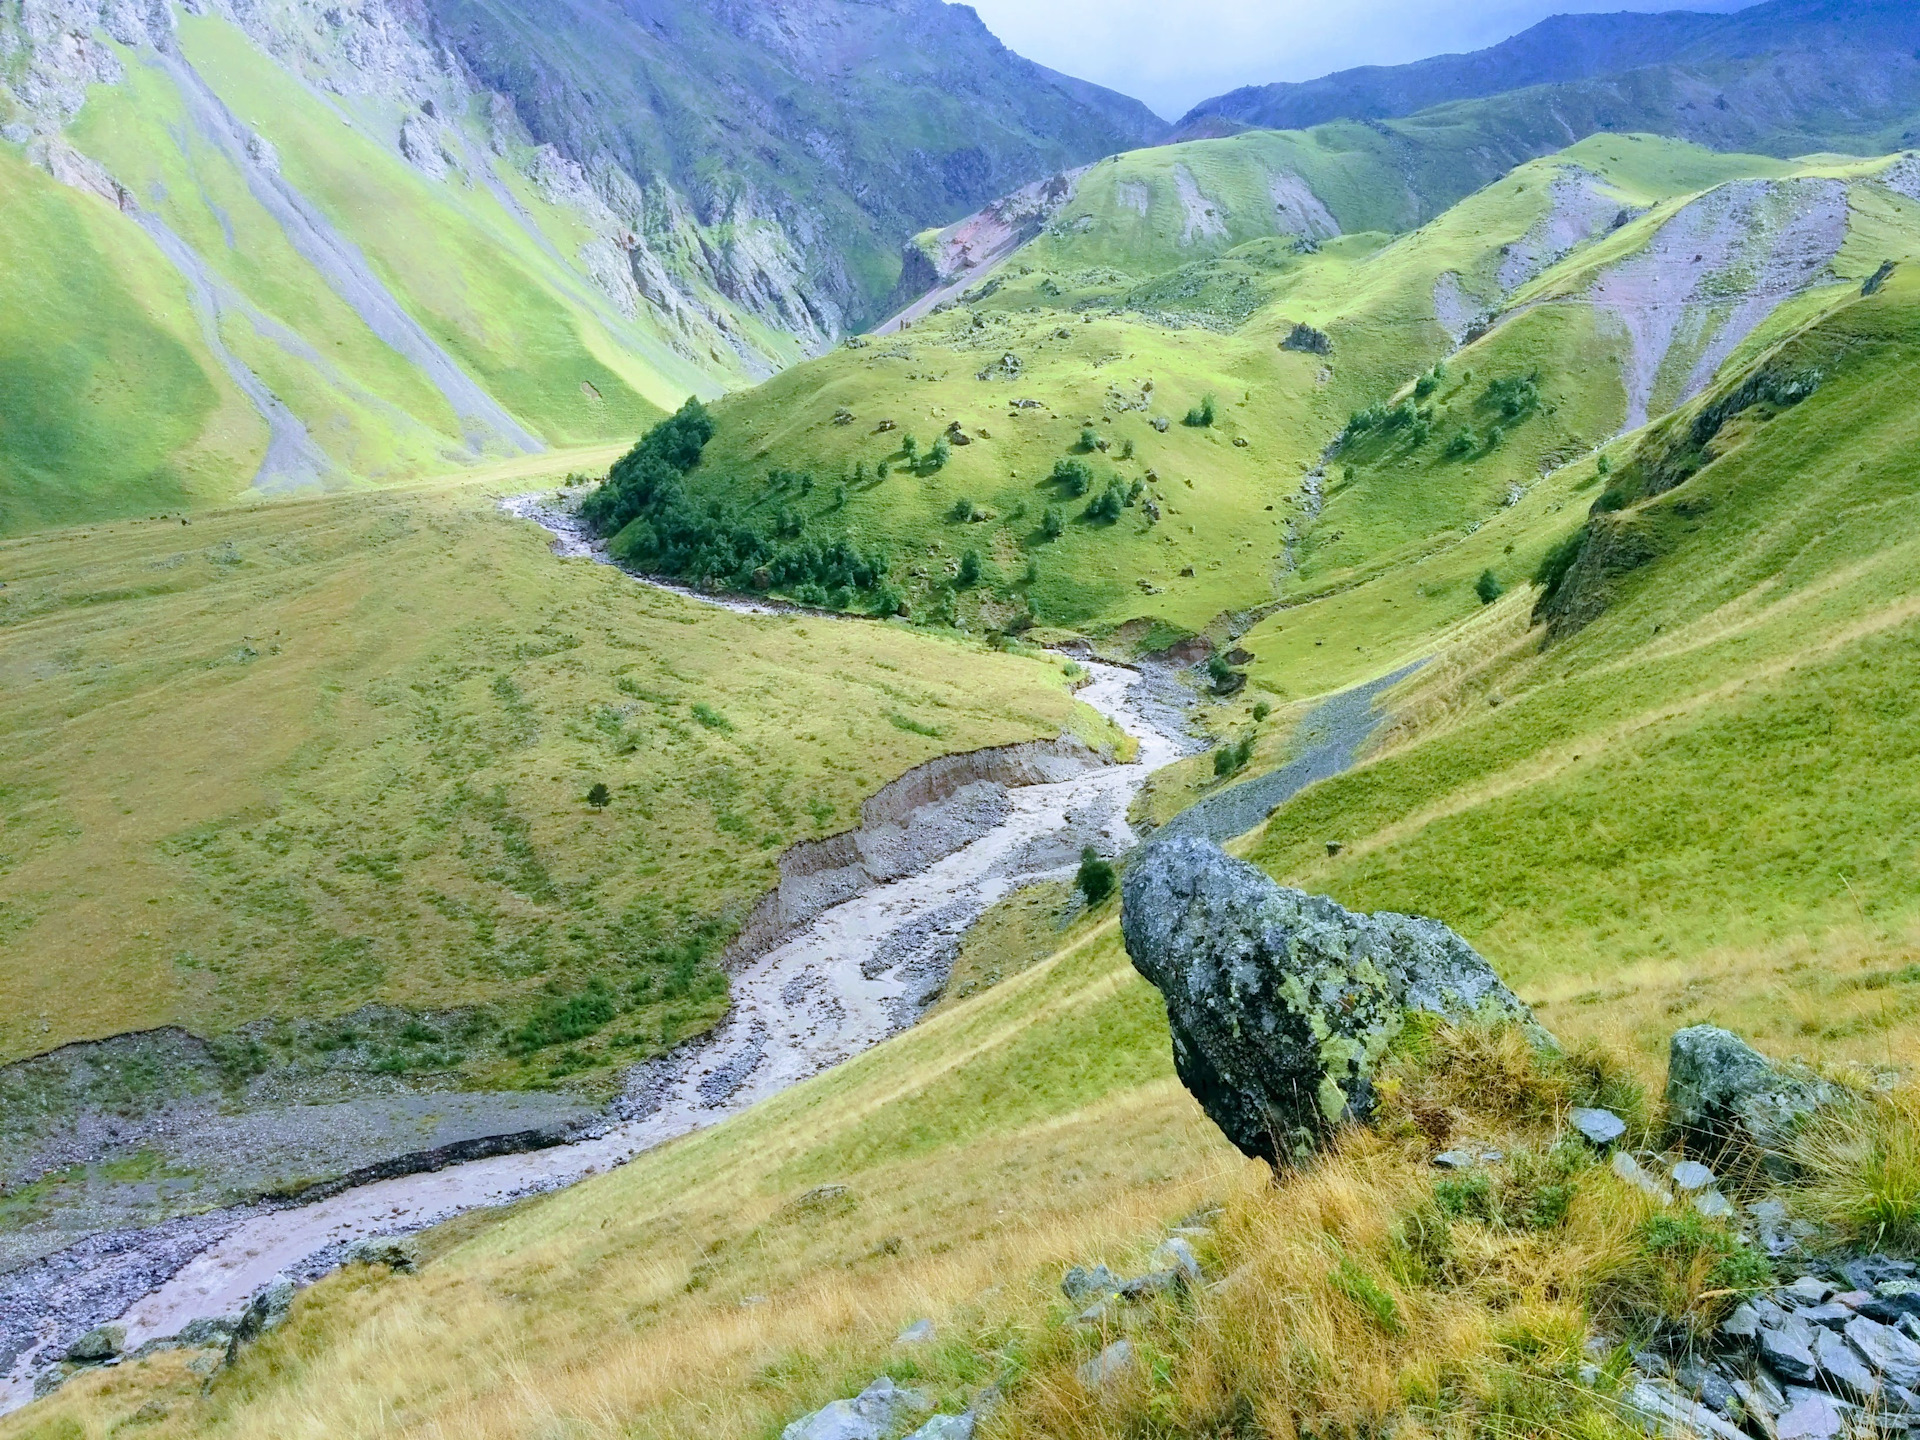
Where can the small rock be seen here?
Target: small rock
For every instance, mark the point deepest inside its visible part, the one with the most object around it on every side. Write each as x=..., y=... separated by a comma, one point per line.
x=398, y=1255
x=1629, y=1170
x=1830, y=1315
x=1177, y=1255
x=98, y=1346
x=1743, y=1324
x=1456, y=1159
x=1669, y=1412
x=946, y=1427
x=1807, y=1290
x=1841, y=1367
x=1108, y=1366
x=206, y=1333
x=1812, y=1417
x=1157, y=1282
x=1788, y=1348
x=1601, y=1127
x=1892, y=1302
x=1095, y=1314
x=1708, y=1386
x=1161, y=423
x=1770, y=1393
x=1083, y=1284
x=270, y=1306
x=1691, y=1175
x=1758, y=1400
x=1713, y=1205
x=1886, y=1350
x=918, y=1333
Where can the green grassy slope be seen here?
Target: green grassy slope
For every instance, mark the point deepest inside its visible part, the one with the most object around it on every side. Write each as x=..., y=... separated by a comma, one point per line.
x=112, y=403
x=1706, y=767
x=379, y=716
x=1122, y=354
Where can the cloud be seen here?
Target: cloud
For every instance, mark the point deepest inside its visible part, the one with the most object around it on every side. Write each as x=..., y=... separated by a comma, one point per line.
x=1173, y=55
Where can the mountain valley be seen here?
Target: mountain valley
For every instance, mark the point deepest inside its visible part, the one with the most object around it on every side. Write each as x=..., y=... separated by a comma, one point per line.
x=605, y=603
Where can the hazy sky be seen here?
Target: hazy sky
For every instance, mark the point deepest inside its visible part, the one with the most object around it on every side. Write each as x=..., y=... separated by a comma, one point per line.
x=1174, y=53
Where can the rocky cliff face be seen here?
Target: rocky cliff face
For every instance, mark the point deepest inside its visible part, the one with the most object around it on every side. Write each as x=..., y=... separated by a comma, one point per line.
x=746, y=173
x=804, y=140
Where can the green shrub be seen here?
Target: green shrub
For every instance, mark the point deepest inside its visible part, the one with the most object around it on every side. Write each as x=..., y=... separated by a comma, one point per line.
x=1072, y=476
x=1106, y=507
x=1202, y=416
x=712, y=718
x=1262, y=710
x=961, y=511
x=1559, y=559
x=1232, y=758
x=599, y=797
x=1089, y=439
x=1053, y=524
x=969, y=575
x=1096, y=877
x=941, y=453
x=1463, y=444
x=1488, y=587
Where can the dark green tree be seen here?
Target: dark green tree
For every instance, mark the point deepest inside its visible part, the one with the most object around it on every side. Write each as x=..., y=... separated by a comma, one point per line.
x=599, y=797
x=1096, y=877
x=969, y=575
x=1488, y=587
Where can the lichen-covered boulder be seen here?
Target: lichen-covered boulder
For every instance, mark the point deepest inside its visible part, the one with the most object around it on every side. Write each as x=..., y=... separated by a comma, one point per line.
x=1724, y=1094
x=1282, y=1003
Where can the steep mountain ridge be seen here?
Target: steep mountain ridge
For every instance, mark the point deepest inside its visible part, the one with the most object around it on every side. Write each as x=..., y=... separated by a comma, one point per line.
x=1856, y=37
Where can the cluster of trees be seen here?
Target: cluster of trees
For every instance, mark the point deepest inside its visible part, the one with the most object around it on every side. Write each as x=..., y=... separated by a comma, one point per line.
x=1076, y=478
x=1511, y=400
x=665, y=530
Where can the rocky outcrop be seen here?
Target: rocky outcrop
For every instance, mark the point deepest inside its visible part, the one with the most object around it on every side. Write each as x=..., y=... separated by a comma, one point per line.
x=930, y=812
x=1723, y=1095
x=1282, y=1003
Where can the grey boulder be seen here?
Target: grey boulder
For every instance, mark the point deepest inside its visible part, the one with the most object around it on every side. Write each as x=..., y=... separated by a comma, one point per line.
x=874, y=1413
x=1812, y=1416
x=1600, y=1127
x=98, y=1346
x=1108, y=1366
x=1082, y=1284
x=1281, y=1003
x=1723, y=1094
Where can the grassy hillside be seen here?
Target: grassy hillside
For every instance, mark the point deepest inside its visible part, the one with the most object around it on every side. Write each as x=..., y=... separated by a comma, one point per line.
x=379, y=717
x=1689, y=807
x=113, y=402
x=1065, y=357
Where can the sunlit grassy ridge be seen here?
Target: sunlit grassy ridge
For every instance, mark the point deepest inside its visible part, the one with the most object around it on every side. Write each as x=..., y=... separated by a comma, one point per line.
x=1690, y=810
x=1097, y=345
x=297, y=758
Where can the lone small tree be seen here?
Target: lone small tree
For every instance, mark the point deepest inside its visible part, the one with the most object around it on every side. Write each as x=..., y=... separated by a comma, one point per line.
x=599, y=797
x=969, y=575
x=941, y=453
x=1488, y=587
x=1053, y=524
x=1096, y=878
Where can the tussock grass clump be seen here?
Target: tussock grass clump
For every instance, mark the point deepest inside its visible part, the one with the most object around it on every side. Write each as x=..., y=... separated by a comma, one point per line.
x=1370, y=1292
x=1865, y=1167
